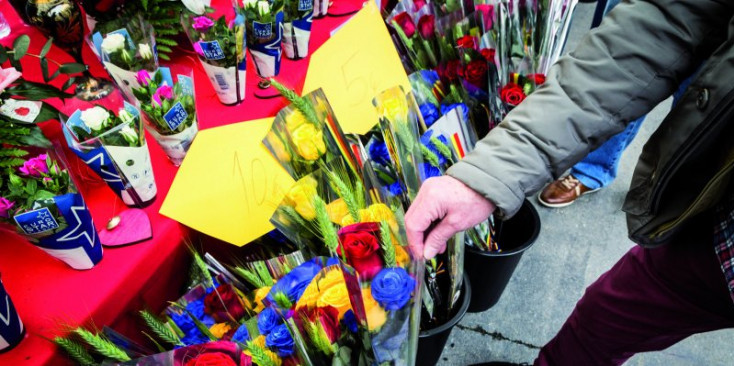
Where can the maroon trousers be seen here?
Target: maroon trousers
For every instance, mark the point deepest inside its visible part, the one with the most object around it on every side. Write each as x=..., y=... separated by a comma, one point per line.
x=649, y=300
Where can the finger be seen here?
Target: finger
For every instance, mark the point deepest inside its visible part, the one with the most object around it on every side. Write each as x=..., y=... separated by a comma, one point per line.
x=437, y=238
x=417, y=220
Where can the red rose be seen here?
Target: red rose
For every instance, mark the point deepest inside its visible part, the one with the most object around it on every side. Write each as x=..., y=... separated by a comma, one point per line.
x=488, y=54
x=538, y=79
x=512, y=94
x=465, y=42
x=211, y=359
x=405, y=22
x=450, y=70
x=224, y=305
x=359, y=243
x=419, y=4
x=476, y=73
x=427, y=26
x=245, y=360
x=329, y=318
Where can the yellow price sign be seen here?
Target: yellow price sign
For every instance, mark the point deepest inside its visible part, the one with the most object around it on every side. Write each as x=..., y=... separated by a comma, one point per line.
x=358, y=62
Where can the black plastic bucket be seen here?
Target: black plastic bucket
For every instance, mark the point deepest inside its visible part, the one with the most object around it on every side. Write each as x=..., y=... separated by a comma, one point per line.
x=490, y=272
x=431, y=342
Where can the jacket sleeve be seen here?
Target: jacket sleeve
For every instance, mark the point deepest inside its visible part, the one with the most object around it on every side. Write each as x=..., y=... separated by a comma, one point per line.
x=619, y=71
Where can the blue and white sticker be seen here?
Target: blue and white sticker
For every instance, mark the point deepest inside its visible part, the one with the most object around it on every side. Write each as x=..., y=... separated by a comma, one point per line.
x=36, y=221
x=212, y=50
x=262, y=30
x=304, y=5
x=175, y=116
x=187, y=85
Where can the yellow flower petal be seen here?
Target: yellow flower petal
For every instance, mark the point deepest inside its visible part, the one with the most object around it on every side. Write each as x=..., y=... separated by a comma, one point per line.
x=220, y=329
x=337, y=297
x=376, y=317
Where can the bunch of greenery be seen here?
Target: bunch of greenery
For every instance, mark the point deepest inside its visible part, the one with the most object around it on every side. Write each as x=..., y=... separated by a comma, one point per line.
x=155, y=112
x=15, y=133
x=163, y=15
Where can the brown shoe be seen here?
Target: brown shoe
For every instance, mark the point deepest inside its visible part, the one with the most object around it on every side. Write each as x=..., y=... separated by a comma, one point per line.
x=563, y=192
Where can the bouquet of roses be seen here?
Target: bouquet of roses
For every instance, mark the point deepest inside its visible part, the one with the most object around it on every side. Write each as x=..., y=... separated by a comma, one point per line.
x=264, y=21
x=420, y=41
x=170, y=109
x=41, y=201
x=297, y=27
x=114, y=146
x=126, y=51
x=220, y=44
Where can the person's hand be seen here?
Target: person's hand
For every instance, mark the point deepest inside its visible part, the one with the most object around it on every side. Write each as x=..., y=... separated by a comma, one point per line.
x=444, y=206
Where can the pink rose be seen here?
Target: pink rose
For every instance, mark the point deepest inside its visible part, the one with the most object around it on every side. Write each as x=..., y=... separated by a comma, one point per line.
x=5, y=207
x=487, y=14
x=202, y=23
x=405, y=22
x=35, y=167
x=164, y=91
x=143, y=77
x=7, y=77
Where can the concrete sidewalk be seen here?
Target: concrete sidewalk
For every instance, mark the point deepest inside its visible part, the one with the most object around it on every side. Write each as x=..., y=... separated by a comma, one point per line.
x=576, y=245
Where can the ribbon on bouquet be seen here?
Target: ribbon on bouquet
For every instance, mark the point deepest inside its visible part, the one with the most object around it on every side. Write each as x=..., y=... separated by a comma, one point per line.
x=64, y=229
x=266, y=50
x=296, y=35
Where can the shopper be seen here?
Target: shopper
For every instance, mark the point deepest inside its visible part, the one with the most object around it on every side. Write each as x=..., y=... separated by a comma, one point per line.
x=679, y=281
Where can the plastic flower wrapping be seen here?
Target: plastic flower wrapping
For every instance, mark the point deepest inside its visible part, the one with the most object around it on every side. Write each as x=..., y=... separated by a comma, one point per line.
x=264, y=20
x=40, y=199
x=112, y=143
x=488, y=54
x=218, y=37
x=170, y=110
x=126, y=51
x=297, y=27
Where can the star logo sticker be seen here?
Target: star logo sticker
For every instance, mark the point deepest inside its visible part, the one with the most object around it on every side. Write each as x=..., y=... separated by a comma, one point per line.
x=79, y=225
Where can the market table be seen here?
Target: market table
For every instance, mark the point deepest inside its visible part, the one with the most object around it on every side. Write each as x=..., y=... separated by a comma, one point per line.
x=52, y=298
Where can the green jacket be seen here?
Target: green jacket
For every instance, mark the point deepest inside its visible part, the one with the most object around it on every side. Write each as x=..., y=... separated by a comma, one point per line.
x=638, y=56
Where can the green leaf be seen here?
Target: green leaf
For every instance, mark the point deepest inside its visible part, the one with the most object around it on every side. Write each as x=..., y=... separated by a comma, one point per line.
x=163, y=48
x=20, y=46
x=46, y=47
x=31, y=186
x=72, y=68
x=144, y=3
x=164, y=57
x=68, y=84
x=16, y=64
x=43, y=194
x=166, y=41
x=37, y=91
x=36, y=138
x=44, y=70
x=3, y=55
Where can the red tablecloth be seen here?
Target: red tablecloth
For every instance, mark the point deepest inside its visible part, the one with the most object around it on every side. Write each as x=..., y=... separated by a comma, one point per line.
x=49, y=295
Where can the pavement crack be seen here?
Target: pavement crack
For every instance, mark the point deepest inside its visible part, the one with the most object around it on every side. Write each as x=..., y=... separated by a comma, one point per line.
x=496, y=335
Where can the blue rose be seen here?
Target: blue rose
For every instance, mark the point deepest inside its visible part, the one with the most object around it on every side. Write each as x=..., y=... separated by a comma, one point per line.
x=194, y=337
x=241, y=335
x=281, y=341
x=378, y=152
x=332, y=261
x=392, y=288
x=395, y=188
x=463, y=109
x=430, y=76
x=267, y=320
x=430, y=171
x=350, y=321
x=183, y=321
x=196, y=308
x=295, y=282
x=430, y=113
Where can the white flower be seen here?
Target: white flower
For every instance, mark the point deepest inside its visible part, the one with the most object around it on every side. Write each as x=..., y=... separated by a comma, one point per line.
x=145, y=51
x=95, y=118
x=250, y=4
x=129, y=135
x=113, y=43
x=263, y=8
x=195, y=6
x=125, y=116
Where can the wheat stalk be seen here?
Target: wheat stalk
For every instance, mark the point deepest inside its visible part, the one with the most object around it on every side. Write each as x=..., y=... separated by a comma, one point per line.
x=75, y=350
x=387, y=245
x=102, y=346
x=160, y=329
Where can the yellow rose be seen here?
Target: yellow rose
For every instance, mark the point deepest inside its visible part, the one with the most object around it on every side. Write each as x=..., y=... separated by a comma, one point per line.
x=301, y=197
x=402, y=258
x=376, y=317
x=336, y=297
x=309, y=142
x=337, y=210
x=274, y=357
x=259, y=296
x=220, y=329
x=381, y=212
x=392, y=105
x=332, y=278
x=294, y=120
x=309, y=297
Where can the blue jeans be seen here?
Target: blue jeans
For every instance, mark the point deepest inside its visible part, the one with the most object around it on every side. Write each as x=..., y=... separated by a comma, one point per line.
x=599, y=168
